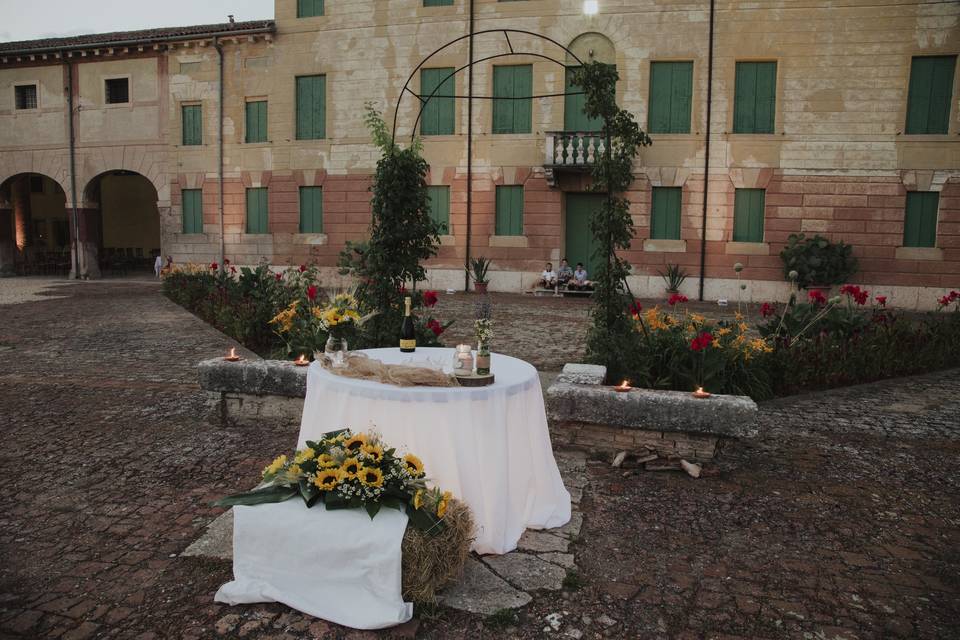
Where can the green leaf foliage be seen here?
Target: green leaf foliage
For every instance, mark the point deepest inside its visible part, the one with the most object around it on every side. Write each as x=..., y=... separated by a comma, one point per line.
x=265, y=495
x=817, y=261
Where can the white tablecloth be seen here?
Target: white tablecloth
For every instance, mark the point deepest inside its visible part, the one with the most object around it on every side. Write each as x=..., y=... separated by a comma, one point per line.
x=490, y=446
x=337, y=565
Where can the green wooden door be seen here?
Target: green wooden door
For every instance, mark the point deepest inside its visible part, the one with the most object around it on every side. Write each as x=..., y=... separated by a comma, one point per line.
x=579, y=244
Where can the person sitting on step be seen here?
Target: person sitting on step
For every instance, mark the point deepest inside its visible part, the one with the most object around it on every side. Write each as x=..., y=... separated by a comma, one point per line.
x=580, y=281
x=548, y=278
x=564, y=273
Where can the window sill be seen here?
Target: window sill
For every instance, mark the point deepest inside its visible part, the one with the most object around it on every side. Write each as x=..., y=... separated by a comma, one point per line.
x=509, y=241
x=919, y=253
x=246, y=236
x=315, y=239
x=259, y=143
x=664, y=246
x=747, y=249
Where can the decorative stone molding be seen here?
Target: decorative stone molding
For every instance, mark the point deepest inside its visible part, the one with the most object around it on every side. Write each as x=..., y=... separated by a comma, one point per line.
x=925, y=180
x=919, y=253
x=667, y=176
x=751, y=178
x=664, y=246
x=746, y=249
x=310, y=177
x=192, y=180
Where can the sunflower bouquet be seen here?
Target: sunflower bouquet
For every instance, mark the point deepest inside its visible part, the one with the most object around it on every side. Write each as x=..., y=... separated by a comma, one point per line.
x=346, y=470
x=340, y=317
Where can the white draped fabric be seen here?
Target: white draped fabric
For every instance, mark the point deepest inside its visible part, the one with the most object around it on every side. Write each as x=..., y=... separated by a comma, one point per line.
x=336, y=565
x=489, y=446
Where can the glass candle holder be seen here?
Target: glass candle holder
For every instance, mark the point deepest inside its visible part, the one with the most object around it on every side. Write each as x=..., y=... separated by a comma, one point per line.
x=463, y=360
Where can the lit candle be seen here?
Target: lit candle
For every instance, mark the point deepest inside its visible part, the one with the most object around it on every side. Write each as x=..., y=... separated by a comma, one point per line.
x=233, y=357
x=301, y=361
x=623, y=386
x=700, y=393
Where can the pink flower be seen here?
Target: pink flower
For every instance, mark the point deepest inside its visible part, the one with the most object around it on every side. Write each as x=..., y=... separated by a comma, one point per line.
x=430, y=298
x=434, y=326
x=881, y=300
x=214, y=266
x=303, y=268
x=312, y=292
x=767, y=310
x=675, y=298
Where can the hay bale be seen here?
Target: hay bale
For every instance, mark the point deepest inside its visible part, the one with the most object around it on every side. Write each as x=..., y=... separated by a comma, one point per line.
x=431, y=561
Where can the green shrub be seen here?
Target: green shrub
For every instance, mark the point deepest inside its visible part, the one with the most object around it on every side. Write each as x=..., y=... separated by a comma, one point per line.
x=817, y=261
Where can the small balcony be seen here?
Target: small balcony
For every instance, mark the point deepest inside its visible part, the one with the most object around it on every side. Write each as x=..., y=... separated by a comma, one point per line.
x=571, y=150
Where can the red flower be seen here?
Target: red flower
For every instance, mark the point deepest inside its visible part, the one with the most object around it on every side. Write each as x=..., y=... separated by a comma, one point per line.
x=430, y=298
x=226, y=261
x=312, y=292
x=954, y=295
x=817, y=297
x=214, y=266
x=233, y=270
x=855, y=292
x=702, y=341
x=675, y=298
x=944, y=301
x=767, y=310
x=635, y=308
x=403, y=290
x=434, y=326
x=278, y=276
x=881, y=300
x=303, y=268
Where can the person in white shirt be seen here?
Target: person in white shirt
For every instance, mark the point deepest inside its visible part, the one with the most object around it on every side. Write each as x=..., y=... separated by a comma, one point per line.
x=580, y=282
x=548, y=279
x=158, y=265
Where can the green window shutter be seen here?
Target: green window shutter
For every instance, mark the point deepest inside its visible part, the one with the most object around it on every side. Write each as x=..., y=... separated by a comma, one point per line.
x=920, y=220
x=509, y=213
x=440, y=207
x=192, y=210
x=755, y=97
x=438, y=114
x=574, y=119
x=513, y=116
x=665, y=213
x=438, y=3
x=930, y=92
x=671, y=93
x=311, y=210
x=309, y=8
x=748, y=215
x=311, y=107
x=192, y=117
x=256, y=121
x=257, y=210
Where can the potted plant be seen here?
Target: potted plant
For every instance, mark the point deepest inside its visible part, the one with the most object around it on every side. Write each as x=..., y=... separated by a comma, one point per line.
x=673, y=277
x=816, y=263
x=478, y=271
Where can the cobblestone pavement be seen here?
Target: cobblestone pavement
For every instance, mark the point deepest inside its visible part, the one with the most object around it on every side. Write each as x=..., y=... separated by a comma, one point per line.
x=843, y=521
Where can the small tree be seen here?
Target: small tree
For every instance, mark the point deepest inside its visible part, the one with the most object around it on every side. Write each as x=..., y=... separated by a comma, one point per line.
x=611, y=224
x=402, y=235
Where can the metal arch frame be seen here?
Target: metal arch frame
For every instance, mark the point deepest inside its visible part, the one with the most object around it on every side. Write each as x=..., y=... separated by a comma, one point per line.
x=423, y=103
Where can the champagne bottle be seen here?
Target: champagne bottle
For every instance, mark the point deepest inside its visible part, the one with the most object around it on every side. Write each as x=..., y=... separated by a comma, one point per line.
x=408, y=339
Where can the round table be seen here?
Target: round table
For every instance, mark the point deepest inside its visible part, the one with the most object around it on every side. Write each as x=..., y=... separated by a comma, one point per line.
x=490, y=445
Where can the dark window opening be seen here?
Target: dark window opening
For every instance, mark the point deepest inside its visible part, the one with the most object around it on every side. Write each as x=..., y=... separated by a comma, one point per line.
x=118, y=90
x=26, y=96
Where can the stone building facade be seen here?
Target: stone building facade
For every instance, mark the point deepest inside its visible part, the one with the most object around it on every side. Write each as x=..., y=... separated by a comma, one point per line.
x=829, y=119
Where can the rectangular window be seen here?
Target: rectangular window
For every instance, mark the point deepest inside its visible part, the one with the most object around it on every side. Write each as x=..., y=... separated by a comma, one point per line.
x=257, y=210
x=117, y=90
x=309, y=8
x=438, y=3
x=192, y=210
x=256, y=121
x=25, y=96
x=665, y=213
x=931, y=88
x=513, y=113
x=311, y=210
x=192, y=122
x=440, y=207
x=671, y=91
x=311, y=107
x=920, y=219
x=509, y=211
x=748, y=215
x=438, y=114
x=755, y=97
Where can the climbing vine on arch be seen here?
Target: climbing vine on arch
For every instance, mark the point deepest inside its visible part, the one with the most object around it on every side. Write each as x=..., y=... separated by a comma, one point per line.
x=611, y=224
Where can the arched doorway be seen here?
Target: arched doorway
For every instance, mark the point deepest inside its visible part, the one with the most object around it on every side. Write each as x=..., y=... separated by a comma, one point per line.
x=122, y=223
x=34, y=226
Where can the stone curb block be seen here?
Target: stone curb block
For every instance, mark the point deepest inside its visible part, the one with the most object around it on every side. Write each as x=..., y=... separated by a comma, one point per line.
x=254, y=377
x=575, y=373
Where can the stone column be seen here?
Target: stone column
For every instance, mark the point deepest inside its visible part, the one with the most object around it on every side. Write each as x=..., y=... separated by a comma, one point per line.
x=91, y=229
x=8, y=244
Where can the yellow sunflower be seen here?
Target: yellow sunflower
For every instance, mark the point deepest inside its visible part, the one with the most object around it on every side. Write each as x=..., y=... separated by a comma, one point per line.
x=276, y=465
x=327, y=479
x=373, y=451
x=414, y=465
x=442, y=505
x=722, y=331
x=303, y=456
x=355, y=442
x=325, y=461
x=371, y=477
x=350, y=468
x=697, y=318
x=418, y=499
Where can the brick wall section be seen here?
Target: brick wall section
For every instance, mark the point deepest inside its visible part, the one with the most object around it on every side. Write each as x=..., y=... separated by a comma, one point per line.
x=607, y=439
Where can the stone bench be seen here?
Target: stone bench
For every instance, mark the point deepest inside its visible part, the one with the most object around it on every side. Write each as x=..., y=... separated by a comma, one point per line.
x=250, y=392
x=584, y=413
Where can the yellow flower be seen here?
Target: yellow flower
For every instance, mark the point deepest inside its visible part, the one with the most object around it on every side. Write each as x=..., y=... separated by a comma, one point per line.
x=442, y=505
x=325, y=461
x=276, y=465
x=344, y=300
x=414, y=465
x=350, y=468
x=371, y=477
x=293, y=470
x=653, y=320
x=418, y=499
x=373, y=451
x=303, y=456
x=355, y=442
x=742, y=327
x=760, y=345
x=738, y=316
x=716, y=343
x=696, y=318
x=722, y=331
x=327, y=479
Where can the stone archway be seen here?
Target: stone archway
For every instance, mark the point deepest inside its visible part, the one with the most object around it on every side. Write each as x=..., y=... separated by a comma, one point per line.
x=35, y=233
x=120, y=229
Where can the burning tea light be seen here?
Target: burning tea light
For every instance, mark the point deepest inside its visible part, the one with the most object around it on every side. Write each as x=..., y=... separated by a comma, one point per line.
x=623, y=386
x=700, y=393
x=301, y=361
x=233, y=357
